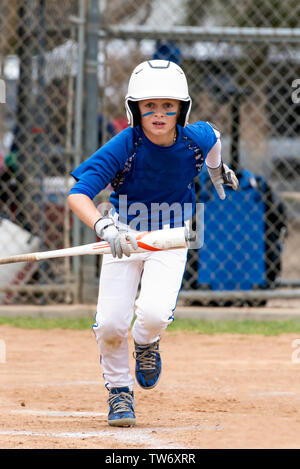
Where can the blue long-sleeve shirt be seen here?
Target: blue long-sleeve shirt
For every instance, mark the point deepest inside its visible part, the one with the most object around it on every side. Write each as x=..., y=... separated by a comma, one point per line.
x=144, y=175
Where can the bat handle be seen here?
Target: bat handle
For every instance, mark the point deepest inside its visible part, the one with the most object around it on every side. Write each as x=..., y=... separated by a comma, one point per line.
x=17, y=258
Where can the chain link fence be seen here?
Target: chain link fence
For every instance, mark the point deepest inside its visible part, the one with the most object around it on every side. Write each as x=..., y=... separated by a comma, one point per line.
x=37, y=60
x=242, y=61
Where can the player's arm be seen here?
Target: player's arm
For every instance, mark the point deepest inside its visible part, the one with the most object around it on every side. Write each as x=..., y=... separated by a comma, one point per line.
x=218, y=171
x=84, y=208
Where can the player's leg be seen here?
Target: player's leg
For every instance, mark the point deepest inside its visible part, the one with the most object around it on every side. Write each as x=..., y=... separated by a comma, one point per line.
x=119, y=281
x=160, y=285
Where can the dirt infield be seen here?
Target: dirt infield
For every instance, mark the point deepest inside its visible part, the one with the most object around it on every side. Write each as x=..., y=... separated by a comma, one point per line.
x=221, y=391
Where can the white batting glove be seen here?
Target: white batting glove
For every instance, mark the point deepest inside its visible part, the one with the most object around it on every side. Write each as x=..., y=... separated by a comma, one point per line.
x=223, y=175
x=106, y=229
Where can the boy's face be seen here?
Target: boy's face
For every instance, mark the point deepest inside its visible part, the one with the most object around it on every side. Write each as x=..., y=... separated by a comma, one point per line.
x=159, y=118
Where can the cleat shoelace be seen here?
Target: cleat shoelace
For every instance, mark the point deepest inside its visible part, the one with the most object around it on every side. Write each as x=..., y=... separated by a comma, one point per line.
x=146, y=356
x=121, y=402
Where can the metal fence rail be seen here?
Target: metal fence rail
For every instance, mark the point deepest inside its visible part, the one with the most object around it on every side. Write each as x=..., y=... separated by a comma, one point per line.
x=64, y=63
x=200, y=33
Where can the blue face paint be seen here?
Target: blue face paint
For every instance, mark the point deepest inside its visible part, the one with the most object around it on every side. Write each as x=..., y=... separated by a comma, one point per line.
x=147, y=114
x=151, y=112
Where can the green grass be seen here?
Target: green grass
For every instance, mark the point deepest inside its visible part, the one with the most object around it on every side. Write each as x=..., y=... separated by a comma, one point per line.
x=271, y=327
x=47, y=323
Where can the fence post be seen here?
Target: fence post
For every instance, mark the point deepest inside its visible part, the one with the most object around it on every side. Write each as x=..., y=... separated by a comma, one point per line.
x=78, y=140
x=90, y=130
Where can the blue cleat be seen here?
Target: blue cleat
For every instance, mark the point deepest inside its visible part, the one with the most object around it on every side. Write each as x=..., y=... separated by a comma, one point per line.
x=148, y=364
x=121, y=407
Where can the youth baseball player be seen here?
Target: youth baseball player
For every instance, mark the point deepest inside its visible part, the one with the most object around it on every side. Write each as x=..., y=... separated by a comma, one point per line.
x=150, y=164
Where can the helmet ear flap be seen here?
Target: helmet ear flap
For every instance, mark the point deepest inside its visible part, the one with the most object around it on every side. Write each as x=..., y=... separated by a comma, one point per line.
x=134, y=114
x=184, y=112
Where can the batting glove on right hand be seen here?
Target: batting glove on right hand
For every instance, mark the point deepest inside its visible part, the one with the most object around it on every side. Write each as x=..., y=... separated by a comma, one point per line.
x=106, y=229
x=223, y=175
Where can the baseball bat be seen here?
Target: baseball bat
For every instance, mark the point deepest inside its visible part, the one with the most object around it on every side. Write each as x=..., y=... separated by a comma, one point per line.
x=158, y=240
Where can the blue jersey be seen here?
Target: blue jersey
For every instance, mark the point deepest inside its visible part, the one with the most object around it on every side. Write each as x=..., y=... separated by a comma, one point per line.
x=146, y=177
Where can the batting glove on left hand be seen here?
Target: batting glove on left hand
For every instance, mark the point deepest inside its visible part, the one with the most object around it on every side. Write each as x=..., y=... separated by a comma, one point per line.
x=106, y=229
x=223, y=175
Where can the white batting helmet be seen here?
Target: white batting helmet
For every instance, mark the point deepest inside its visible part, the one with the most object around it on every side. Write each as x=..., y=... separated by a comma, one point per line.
x=157, y=79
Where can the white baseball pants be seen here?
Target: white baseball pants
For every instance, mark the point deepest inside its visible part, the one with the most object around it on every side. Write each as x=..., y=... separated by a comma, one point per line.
x=160, y=274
